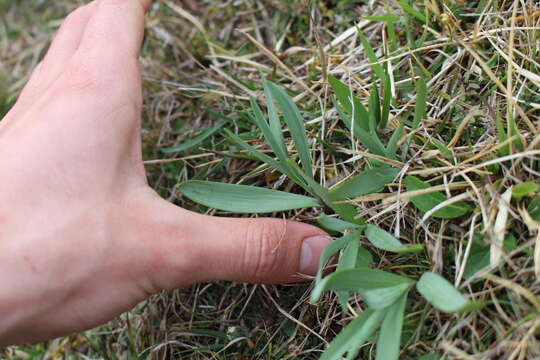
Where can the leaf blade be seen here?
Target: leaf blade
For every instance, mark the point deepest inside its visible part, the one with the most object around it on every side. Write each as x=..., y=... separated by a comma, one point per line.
x=332, y=249
x=194, y=141
x=276, y=143
x=385, y=241
x=375, y=66
x=335, y=224
x=441, y=294
x=421, y=102
x=366, y=182
x=389, y=340
x=295, y=122
x=354, y=335
x=284, y=168
x=426, y=202
x=380, y=289
x=243, y=198
x=350, y=103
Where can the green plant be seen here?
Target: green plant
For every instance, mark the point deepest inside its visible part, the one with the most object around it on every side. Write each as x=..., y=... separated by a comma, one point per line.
x=384, y=293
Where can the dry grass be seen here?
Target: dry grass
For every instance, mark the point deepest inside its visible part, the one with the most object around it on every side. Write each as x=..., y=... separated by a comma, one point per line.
x=211, y=54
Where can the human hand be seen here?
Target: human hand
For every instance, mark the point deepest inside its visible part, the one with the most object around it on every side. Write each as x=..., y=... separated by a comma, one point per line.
x=82, y=236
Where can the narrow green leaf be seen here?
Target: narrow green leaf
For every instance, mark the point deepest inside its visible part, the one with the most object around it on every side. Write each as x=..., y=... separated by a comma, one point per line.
x=354, y=335
x=389, y=340
x=387, y=101
x=417, y=14
x=243, y=198
x=385, y=241
x=479, y=257
x=386, y=18
x=392, y=146
x=284, y=168
x=375, y=66
x=345, y=211
x=367, y=182
x=534, y=209
x=273, y=119
x=514, y=132
x=421, y=102
x=332, y=248
x=501, y=133
x=374, y=110
x=380, y=289
x=442, y=148
x=335, y=224
x=364, y=258
x=294, y=121
x=276, y=142
x=392, y=37
x=347, y=260
x=350, y=103
x=428, y=201
x=524, y=189
x=430, y=357
x=372, y=143
x=196, y=140
x=441, y=294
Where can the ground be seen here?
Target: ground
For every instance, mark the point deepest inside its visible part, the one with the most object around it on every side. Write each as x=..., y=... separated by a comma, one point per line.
x=477, y=141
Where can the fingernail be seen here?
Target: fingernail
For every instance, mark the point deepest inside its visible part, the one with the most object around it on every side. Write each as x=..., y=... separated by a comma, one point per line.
x=311, y=252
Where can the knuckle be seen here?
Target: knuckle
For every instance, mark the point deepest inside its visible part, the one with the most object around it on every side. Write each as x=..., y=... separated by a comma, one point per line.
x=263, y=250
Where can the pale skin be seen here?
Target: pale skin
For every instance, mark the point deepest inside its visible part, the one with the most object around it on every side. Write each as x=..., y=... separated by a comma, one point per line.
x=83, y=237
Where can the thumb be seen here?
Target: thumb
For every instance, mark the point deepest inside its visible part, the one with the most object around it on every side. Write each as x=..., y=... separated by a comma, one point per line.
x=261, y=250
x=205, y=248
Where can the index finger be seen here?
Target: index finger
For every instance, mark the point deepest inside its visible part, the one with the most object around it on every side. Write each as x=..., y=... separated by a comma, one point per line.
x=114, y=33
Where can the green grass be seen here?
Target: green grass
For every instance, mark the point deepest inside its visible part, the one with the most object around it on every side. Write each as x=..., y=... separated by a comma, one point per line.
x=408, y=119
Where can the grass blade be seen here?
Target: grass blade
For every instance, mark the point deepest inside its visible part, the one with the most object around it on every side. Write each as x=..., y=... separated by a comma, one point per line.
x=375, y=66
x=353, y=335
x=409, y=9
x=243, y=198
x=389, y=340
x=351, y=104
x=284, y=168
x=294, y=121
x=501, y=133
x=366, y=182
x=392, y=146
x=347, y=260
x=443, y=295
x=273, y=119
x=387, y=100
x=372, y=143
x=385, y=241
x=428, y=201
x=392, y=36
x=374, y=110
x=196, y=140
x=421, y=102
x=276, y=143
